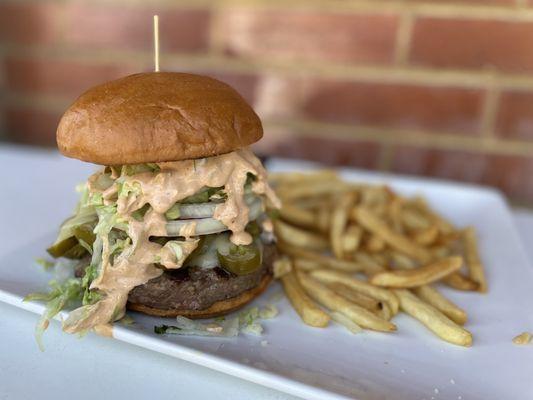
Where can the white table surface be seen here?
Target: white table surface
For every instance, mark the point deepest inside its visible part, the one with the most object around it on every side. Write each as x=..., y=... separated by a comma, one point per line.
x=93, y=366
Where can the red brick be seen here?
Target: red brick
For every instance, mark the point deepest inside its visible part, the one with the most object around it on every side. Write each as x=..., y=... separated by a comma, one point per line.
x=127, y=27
x=29, y=23
x=29, y=126
x=326, y=150
x=454, y=165
x=58, y=76
x=395, y=105
x=464, y=43
x=515, y=116
x=346, y=38
x=511, y=174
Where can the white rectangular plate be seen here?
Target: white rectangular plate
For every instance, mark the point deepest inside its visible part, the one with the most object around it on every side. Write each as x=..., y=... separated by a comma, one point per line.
x=332, y=363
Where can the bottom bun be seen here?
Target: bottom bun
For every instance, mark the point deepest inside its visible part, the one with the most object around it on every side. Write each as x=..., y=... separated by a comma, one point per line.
x=217, y=309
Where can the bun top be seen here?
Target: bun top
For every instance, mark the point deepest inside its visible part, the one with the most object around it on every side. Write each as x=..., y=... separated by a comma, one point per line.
x=157, y=117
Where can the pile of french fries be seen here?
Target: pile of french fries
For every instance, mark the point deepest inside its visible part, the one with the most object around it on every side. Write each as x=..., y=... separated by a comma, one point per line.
x=359, y=254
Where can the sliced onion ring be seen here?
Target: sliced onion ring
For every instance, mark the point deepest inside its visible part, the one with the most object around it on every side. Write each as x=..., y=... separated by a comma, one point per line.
x=207, y=226
x=206, y=210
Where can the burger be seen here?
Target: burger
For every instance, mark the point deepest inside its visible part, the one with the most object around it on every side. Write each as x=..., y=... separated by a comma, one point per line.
x=176, y=221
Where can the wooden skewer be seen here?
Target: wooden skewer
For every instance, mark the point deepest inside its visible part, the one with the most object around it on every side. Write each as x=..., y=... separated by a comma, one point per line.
x=156, y=43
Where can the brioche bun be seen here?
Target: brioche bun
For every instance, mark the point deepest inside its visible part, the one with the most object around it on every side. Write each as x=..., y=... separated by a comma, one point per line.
x=157, y=117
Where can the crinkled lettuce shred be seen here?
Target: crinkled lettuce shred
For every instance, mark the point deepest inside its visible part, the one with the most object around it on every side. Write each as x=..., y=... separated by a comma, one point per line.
x=56, y=300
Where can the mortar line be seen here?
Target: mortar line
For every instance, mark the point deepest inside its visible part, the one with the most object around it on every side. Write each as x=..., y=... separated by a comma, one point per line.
x=359, y=73
x=449, y=141
x=403, y=39
x=490, y=110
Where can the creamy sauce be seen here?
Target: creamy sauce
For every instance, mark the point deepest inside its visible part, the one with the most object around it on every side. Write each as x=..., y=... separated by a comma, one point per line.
x=104, y=330
x=161, y=190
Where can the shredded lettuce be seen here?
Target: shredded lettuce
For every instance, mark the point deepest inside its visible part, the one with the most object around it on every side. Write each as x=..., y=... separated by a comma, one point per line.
x=248, y=321
x=59, y=297
x=134, y=169
x=46, y=264
x=185, y=326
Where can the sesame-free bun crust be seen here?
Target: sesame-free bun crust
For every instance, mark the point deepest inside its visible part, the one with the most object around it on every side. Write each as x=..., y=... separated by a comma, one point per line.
x=217, y=309
x=157, y=117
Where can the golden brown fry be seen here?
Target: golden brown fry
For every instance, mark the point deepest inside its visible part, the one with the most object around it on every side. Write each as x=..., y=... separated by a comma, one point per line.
x=473, y=261
x=399, y=242
x=401, y=261
x=328, y=276
x=351, y=239
x=395, y=214
x=358, y=298
x=419, y=276
x=299, y=237
x=324, y=217
x=304, y=189
x=371, y=266
x=326, y=261
x=440, y=251
x=414, y=220
x=306, y=264
x=281, y=266
x=381, y=259
x=427, y=236
x=310, y=313
x=433, y=297
x=460, y=282
x=444, y=225
x=335, y=302
x=279, y=178
x=523, y=338
x=433, y=319
x=339, y=219
x=297, y=216
x=345, y=321
x=374, y=244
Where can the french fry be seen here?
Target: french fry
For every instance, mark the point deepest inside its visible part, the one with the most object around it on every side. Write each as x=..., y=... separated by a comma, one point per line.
x=433, y=297
x=460, y=282
x=401, y=261
x=433, y=319
x=397, y=241
x=304, y=189
x=395, y=214
x=419, y=276
x=371, y=266
x=358, y=298
x=427, y=236
x=328, y=276
x=324, y=260
x=345, y=321
x=281, y=266
x=306, y=264
x=414, y=220
x=298, y=216
x=280, y=178
x=335, y=302
x=351, y=239
x=374, y=244
x=444, y=225
x=299, y=237
x=310, y=313
x=473, y=261
x=324, y=217
x=339, y=219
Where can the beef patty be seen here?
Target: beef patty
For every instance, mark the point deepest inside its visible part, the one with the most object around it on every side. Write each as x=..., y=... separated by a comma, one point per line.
x=195, y=288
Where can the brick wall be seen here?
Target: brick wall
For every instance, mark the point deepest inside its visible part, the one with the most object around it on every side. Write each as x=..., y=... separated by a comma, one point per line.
x=437, y=88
